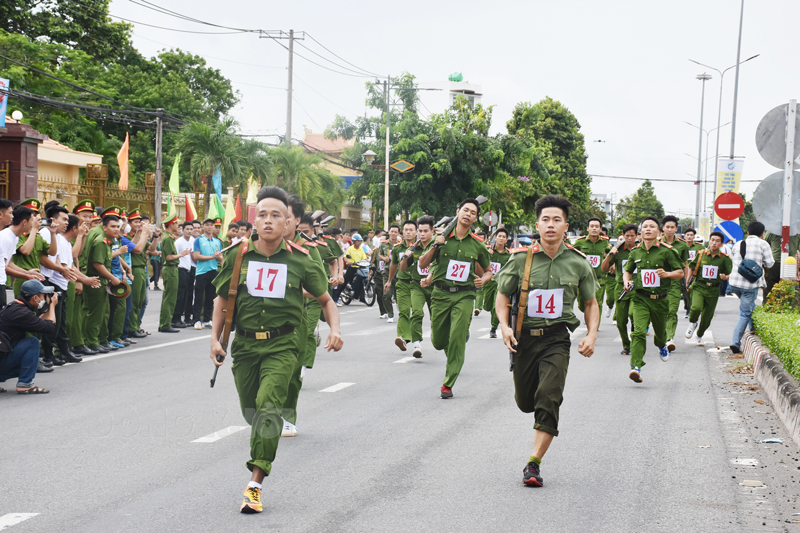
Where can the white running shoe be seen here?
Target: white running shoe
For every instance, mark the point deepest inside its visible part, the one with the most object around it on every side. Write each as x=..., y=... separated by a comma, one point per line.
x=417, y=350
x=671, y=345
x=289, y=429
x=339, y=304
x=207, y=324
x=700, y=341
x=690, y=330
x=608, y=312
x=401, y=344
x=390, y=320
x=384, y=315
x=198, y=325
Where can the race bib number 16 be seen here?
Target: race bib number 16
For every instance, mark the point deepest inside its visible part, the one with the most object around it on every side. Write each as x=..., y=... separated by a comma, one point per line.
x=546, y=303
x=457, y=271
x=266, y=280
x=650, y=279
x=710, y=272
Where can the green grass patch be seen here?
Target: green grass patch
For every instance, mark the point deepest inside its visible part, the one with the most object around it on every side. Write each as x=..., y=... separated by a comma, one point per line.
x=780, y=333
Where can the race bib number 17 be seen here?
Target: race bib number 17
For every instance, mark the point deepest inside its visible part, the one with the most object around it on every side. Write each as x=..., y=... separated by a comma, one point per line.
x=546, y=303
x=266, y=280
x=457, y=271
x=650, y=279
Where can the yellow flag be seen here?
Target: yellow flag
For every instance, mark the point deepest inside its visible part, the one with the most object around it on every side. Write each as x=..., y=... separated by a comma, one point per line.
x=230, y=214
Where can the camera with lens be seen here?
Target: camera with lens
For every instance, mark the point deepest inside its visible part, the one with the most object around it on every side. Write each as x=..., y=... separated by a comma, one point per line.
x=47, y=222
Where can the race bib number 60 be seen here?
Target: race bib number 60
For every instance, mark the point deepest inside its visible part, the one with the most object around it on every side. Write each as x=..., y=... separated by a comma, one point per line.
x=546, y=303
x=266, y=280
x=457, y=271
x=650, y=278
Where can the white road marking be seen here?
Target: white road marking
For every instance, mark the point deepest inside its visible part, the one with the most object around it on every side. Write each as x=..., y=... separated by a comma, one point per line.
x=214, y=437
x=484, y=336
x=123, y=351
x=10, y=519
x=337, y=387
x=577, y=332
x=403, y=360
x=484, y=329
x=618, y=339
x=708, y=339
x=372, y=331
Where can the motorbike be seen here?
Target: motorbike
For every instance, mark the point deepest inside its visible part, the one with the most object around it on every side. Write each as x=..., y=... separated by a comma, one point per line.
x=366, y=275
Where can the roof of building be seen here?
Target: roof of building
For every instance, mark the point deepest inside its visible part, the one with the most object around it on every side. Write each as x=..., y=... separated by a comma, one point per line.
x=317, y=141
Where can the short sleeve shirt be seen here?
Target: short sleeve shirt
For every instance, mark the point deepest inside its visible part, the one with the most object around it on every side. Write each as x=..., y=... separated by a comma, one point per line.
x=259, y=313
x=722, y=262
x=680, y=248
x=646, y=262
x=98, y=251
x=497, y=260
x=619, y=260
x=206, y=247
x=457, y=253
x=595, y=252
x=8, y=244
x=397, y=256
x=693, y=250
x=168, y=248
x=413, y=263
x=140, y=260
x=568, y=274
x=32, y=260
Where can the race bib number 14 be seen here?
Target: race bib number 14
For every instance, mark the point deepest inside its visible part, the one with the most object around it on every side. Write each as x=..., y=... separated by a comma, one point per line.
x=546, y=303
x=650, y=279
x=266, y=280
x=457, y=271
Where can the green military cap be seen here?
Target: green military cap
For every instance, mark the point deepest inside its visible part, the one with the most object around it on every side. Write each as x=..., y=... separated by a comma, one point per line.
x=135, y=214
x=169, y=221
x=121, y=290
x=217, y=221
x=32, y=203
x=114, y=210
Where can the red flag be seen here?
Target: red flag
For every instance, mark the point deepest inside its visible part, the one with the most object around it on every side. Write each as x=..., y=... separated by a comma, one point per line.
x=122, y=160
x=191, y=212
x=238, y=208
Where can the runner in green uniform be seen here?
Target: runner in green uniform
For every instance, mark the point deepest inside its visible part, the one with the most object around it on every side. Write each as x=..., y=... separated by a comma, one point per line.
x=595, y=247
x=421, y=289
x=384, y=263
x=670, y=227
x=655, y=265
x=269, y=308
x=618, y=257
x=712, y=267
x=480, y=293
x=403, y=287
x=455, y=281
x=498, y=256
x=693, y=248
x=558, y=275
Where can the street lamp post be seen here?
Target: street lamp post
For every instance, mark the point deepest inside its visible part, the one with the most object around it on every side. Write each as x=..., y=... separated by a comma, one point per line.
x=702, y=77
x=705, y=161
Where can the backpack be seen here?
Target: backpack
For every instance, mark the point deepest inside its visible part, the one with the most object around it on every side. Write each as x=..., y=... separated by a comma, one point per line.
x=749, y=269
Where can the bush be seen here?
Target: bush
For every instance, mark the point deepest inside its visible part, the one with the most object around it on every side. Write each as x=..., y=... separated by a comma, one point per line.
x=783, y=298
x=780, y=333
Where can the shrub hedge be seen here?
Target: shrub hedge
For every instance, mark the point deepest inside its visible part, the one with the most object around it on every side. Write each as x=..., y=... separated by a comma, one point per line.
x=780, y=332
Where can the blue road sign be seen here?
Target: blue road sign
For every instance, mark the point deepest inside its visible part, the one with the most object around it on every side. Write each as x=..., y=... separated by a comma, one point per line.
x=731, y=230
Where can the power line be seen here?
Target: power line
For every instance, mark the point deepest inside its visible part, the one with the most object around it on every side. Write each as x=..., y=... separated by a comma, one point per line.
x=306, y=112
x=339, y=57
x=334, y=62
x=323, y=96
x=175, y=14
x=658, y=179
x=315, y=63
x=208, y=57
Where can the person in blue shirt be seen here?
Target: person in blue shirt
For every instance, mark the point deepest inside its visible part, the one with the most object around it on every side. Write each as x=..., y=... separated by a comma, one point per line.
x=121, y=248
x=207, y=254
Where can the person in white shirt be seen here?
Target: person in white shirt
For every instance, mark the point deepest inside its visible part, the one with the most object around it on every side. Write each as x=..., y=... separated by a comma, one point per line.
x=22, y=221
x=6, y=216
x=182, y=317
x=759, y=251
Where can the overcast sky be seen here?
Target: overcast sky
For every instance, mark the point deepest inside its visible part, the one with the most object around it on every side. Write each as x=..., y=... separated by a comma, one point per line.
x=620, y=66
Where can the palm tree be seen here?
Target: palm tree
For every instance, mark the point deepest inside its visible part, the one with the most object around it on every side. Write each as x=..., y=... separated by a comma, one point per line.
x=259, y=160
x=305, y=175
x=208, y=146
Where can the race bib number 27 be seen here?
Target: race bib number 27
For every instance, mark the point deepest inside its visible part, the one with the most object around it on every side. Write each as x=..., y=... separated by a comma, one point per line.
x=266, y=280
x=457, y=271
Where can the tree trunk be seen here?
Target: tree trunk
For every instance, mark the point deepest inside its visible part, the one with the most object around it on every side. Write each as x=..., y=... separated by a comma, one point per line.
x=207, y=206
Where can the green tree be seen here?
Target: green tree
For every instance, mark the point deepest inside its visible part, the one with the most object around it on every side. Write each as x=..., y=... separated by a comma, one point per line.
x=305, y=175
x=640, y=204
x=748, y=216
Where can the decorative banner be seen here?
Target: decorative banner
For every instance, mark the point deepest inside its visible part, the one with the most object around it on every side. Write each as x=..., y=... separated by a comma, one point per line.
x=3, y=101
x=704, y=226
x=174, y=179
x=238, y=209
x=230, y=214
x=729, y=175
x=252, y=191
x=122, y=160
x=191, y=211
x=171, y=211
x=217, y=180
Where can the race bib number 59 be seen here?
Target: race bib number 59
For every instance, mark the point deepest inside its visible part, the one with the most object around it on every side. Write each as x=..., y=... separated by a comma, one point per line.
x=457, y=270
x=266, y=280
x=594, y=260
x=546, y=303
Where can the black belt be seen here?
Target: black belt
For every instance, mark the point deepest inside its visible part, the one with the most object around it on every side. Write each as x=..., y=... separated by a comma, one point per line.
x=707, y=284
x=267, y=334
x=409, y=280
x=543, y=332
x=650, y=295
x=458, y=288
x=139, y=266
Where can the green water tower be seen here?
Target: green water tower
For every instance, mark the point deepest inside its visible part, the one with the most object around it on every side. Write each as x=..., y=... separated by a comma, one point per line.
x=456, y=76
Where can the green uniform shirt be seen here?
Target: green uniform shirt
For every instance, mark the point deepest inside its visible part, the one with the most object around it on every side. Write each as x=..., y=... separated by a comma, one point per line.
x=397, y=256
x=680, y=248
x=775, y=244
x=660, y=255
x=324, y=250
x=501, y=258
x=455, y=260
x=385, y=249
x=619, y=260
x=139, y=260
x=554, y=285
x=271, y=298
x=335, y=250
x=720, y=264
x=32, y=260
x=694, y=249
x=98, y=251
x=595, y=252
x=413, y=262
x=83, y=258
x=168, y=248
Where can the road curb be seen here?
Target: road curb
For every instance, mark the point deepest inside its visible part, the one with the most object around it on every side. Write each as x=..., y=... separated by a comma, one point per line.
x=781, y=388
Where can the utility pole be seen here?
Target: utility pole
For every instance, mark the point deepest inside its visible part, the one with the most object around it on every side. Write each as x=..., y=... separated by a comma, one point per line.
x=289, y=90
x=703, y=77
x=386, y=86
x=157, y=211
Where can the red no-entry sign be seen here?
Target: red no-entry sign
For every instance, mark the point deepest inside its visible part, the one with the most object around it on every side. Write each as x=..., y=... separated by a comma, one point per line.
x=729, y=206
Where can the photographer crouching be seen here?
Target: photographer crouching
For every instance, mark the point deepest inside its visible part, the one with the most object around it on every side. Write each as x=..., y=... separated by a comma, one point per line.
x=19, y=355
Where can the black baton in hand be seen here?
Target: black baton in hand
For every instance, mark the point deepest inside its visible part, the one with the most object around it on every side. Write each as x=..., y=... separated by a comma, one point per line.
x=216, y=369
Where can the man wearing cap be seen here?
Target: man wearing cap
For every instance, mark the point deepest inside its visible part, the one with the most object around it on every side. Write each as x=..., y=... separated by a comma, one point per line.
x=139, y=268
x=19, y=355
x=84, y=210
x=171, y=259
x=30, y=250
x=186, y=276
x=218, y=230
x=207, y=253
x=98, y=263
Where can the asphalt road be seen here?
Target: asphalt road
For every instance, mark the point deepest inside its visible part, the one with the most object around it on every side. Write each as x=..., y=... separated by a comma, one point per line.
x=112, y=448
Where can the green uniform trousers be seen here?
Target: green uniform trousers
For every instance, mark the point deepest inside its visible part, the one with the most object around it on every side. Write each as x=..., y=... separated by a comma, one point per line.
x=262, y=370
x=704, y=303
x=611, y=299
x=420, y=296
x=404, y=310
x=75, y=317
x=306, y=355
x=540, y=372
x=96, y=309
x=139, y=291
x=378, y=278
x=674, y=300
x=489, y=296
x=622, y=315
x=599, y=296
x=169, y=297
x=646, y=311
x=387, y=295
x=18, y=285
x=118, y=321
x=479, y=299
x=451, y=314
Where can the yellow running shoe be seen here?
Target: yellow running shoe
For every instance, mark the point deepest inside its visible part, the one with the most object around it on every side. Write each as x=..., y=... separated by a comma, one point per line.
x=252, y=501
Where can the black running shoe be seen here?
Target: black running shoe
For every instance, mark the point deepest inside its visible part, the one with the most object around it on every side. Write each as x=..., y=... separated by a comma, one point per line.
x=493, y=334
x=531, y=475
x=625, y=351
x=447, y=392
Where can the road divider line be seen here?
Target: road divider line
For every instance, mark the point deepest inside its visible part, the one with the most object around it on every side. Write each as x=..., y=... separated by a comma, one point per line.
x=337, y=387
x=222, y=433
x=403, y=360
x=12, y=519
x=123, y=351
x=484, y=336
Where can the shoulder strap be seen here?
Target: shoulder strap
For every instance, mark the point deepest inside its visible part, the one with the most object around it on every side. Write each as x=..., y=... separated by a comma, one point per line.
x=697, y=266
x=743, y=248
x=523, y=297
x=232, y=291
